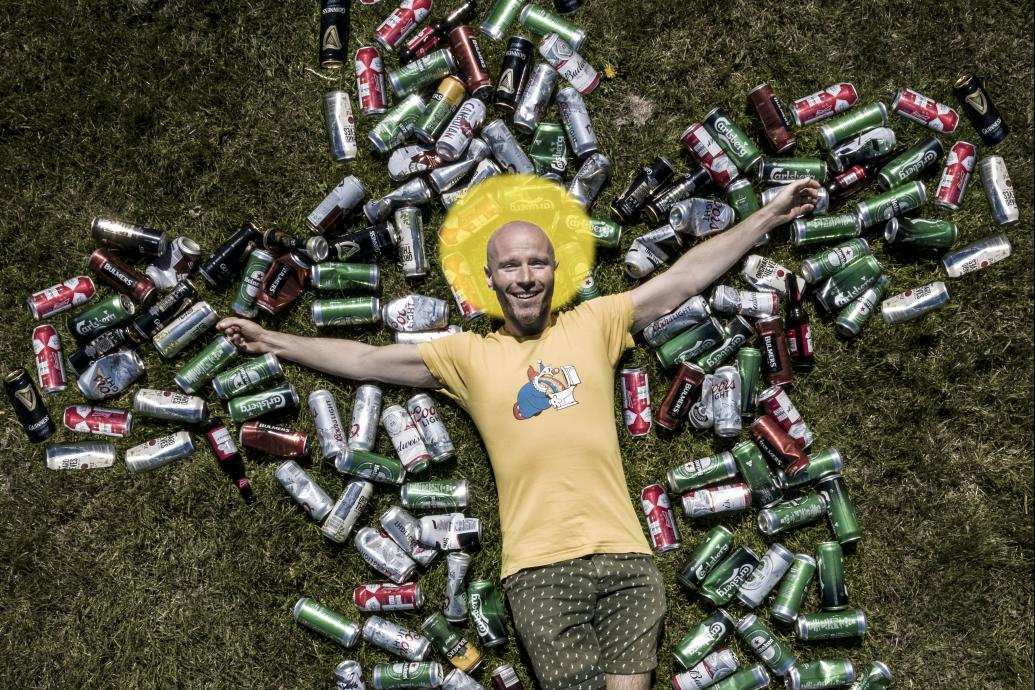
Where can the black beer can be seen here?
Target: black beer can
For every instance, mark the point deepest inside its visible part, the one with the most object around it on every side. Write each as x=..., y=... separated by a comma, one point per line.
x=681, y=187
x=517, y=66
x=220, y=268
x=649, y=180
x=28, y=406
x=364, y=244
x=162, y=312
x=334, y=32
x=107, y=342
x=980, y=110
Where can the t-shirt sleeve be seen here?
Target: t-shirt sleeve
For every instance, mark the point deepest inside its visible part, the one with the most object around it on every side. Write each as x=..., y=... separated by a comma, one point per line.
x=612, y=317
x=449, y=360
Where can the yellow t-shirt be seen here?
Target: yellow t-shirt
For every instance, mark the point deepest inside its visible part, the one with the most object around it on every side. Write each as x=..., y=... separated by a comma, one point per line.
x=545, y=409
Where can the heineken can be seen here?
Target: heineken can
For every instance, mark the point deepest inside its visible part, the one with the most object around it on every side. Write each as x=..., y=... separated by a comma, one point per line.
x=665, y=328
x=749, y=366
x=346, y=311
x=840, y=508
x=339, y=202
x=216, y=356
x=851, y=319
x=921, y=232
x=405, y=437
x=717, y=543
x=450, y=532
x=980, y=110
x=915, y=302
x=451, y=643
x=168, y=405
x=388, y=597
x=910, y=163
x=788, y=170
x=793, y=588
x=516, y=68
x=443, y=494
x=833, y=593
x=742, y=198
x=85, y=455
x=306, y=492
x=404, y=530
x=765, y=490
x=386, y=557
x=346, y=510
x=695, y=474
x=823, y=265
x=976, y=255
x=733, y=140
x=368, y=465
x=762, y=273
x=157, y=452
x=821, y=674
x=487, y=612
x=790, y=514
x=501, y=15
x=764, y=578
x=831, y=625
x=366, y=411
x=422, y=675
x=999, y=190
x=326, y=622
x=255, y=269
x=724, y=498
x=851, y=124
x=568, y=63
x=736, y=333
x=773, y=651
x=680, y=188
x=341, y=125
x=877, y=677
x=280, y=398
x=345, y=276
x=894, y=202
x=457, y=564
x=185, y=329
x=426, y=70
x=395, y=126
x=330, y=430
x=848, y=283
x=434, y=433
x=713, y=668
x=542, y=21
x=817, y=466
x=248, y=377
x=575, y=118
x=101, y=316
x=825, y=228
x=701, y=640
x=722, y=583
x=536, y=97
x=440, y=110
x=348, y=675
x=752, y=678
x=415, y=313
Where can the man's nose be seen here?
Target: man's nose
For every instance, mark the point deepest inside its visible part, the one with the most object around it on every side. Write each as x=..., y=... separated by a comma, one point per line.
x=524, y=276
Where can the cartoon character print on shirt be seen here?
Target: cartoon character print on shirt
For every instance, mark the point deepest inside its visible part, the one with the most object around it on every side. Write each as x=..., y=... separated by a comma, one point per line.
x=547, y=387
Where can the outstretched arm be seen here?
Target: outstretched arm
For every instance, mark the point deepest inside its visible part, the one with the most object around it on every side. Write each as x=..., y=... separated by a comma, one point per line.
x=396, y=364
x=698, y=268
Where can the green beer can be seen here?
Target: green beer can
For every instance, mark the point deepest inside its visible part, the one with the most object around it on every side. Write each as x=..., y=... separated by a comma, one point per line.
x=773, y=651
x=722, y=583
x=487, y=612
x=101, y=316
x=333, y=275
x=910, y=163
x=416, y=675
x=376, y=468
x=789, y=514
x=749, y=366
x=549, y=154
x=690, y=343
x=701, y=640
x=853, y=122
x=717, y=543
x=788, y=170
x=742, y=197
x=248, y=377
x=921, y=232
x=499, y=17
x=443, y=105
x=606, y=233
x=851, y=319
x=255, y=269
x=542, y=21
x=327, y=622
x=877, y=677
x=732, y=139
x=848, y=283
x=752, y=678
x=443, y=494
x=735, y=334
x=828, y=262
x=765, y=490
x=894, y=202
x=711, y=469
x=821, y=674
x=833, y=592
x=247, y=407
x=451, y=643
x=421, y=72
x=346, y=311
x=825, y=228
x=394, y=127
x=216, y=356
x=820, y=464
x=831, y=625
x=840, y=508
x=793, y=588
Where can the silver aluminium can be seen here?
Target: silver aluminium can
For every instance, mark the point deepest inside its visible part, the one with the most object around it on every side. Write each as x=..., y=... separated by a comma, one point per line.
x=457, y=679
x=341, y=125
x=590, y=179
x=976, y=255
x=999, y=190
x=300, y=486
x=85, y=455
x=405, y=438
x=689, y=313
x=339, y=202
x=575, y=118
x=450, y=532
x=159, y=451
x=726, y=401
x=404, y=529
x=916, y=302
x=346, y=510
x=457, y=564
x=410, y=229
x=348, y=675
x=110, y=375
x=506, y=149
x=329, y=428
x=395, y=639
x=461, y=129
x=384, y=555
x=185, y=329
x=366, y=411
x=434, y=433
x=169, y=405
x=536, y=98
x=414, y=312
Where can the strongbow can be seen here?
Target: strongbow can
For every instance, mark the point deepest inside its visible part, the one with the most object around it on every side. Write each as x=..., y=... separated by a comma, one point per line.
x=822, y=104
x=661, y=521
x=58, y=298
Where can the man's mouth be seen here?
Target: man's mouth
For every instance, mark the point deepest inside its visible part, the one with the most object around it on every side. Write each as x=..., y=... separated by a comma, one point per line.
x=525, y=296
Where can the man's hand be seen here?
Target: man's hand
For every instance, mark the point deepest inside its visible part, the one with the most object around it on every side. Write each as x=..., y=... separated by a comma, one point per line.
x=793, y=200
x=247, y=335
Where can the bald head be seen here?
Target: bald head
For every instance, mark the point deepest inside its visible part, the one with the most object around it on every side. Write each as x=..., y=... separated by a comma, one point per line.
x=518, y=232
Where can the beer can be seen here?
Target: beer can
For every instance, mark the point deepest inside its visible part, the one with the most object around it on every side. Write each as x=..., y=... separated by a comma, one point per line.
x=456, y=608
x=168, y=405
x=348, y=675
x=376, y=468
x=221, y=266
x=366, y=411
x=451, y=643
x=848, y=283
x=216, y=356
x=661, y=521
x=722, y=583
x=840, y=508
x=724, y=498
x=575, y=118
x=675, y=407
x=122, y=277
x=157, y=452
x=650, y=251
x=822, y=673
x=405, y=438
x=707, y=152
x=976, y=255
x=780, y=449
x=726, y=402
x=757, y=305
x=636, y=400
x=185, y=329
x=107, y=342
x=402, y=676
x=830, y=625
x=470, y=62
x=447, y=176
x=514, y=73
x=791, y=514
x=690, y=313
x=921, y=232
x=823, y=265
x=763, y=579
x=346, y=311
x=397, y=124
x=370, y=81
x=505, y=148
x=248, y=377
x=334, y=32
x=776, y=358
x=959, y=166
x=742, y=199
x=487, y=612
x=442, y=494
x=73, y=292
x=925, y=111
x=825, y=229
x=301, y=487
x=822, y=104
x=999, y=190
x=850, y=124
x=568, y=63
x=341, y=125
x=702, y=639
x=162, y=312
x=403, y=19
x=773, y=651
x=536, y=97
x=331, y=275
x=549, y=155
x=273, y=440
x=716, y=666
x=110, y=375
x=702, y=472
x=102, y=421
x=910, y=163
x=500, y=16
x=441, y=108
x=717, y=543
x=280, y=398
x=793, y=588
x=326, y=622
x=765, y=489
x=388, y=597
x=427, y=70
x=980, y=110
x=100, y=317
x=330, y=431
x=416, y=192
x=175, y=264
x=762, y=273
x=415, y=313
x=404, y=530
x=773, y=117
x=877, y=677
x=346, y=510
x=432, y=430
x=384, y=556
x=116, y=234
x=681, y=187
x=28, y=406
x=777, y=404
x=50, y=365
x=590, y=179
x=915, y=302
x=788, y=170
x=412, y=257
x=735, y=334
x=450, y=532
x=690, y=343
x=861, y=149
x=341, y=201
x=542, y=21
x=749, y=365
x=86, y=455
x=650, y=178
x=733, y=140
x=816, y=466
x=851, y=319
x=830, y=574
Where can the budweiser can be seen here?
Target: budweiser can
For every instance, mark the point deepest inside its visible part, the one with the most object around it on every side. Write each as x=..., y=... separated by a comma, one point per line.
x=572, y=66
x=716, y=499
x=999, y=190
x=703, y=147
x=636, y=400
x=346, y=510
x=403, y=19
x=404, y=530
x=775, y=401
x=822, y=104
x=329, y=428
x=159, y=451
x=773, y=118
x=661, y=521
x=925, y=111
x=102, y=421
x=169, y=405
x=388, y=597
x=300, y=486
x=61, y=297
x=370, y=81
x=726, y=401
x=89, y=455
x=713, y=668
x=434, y=433
x=959, y=166
x=273, y=440
x=384, y=555
x=365, y=412
x=50, y=365
x=405, y=438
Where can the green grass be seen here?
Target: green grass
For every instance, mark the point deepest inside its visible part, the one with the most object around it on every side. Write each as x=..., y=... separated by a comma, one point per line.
x=194, y=117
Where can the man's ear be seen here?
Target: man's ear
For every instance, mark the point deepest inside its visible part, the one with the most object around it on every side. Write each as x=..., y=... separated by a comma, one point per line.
x=488, y=277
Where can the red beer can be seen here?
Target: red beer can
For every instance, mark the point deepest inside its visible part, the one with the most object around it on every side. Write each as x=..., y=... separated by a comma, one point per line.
x=388, y=597
x=50, y=365
x=703, y=147
x=636, y=400
x=822, y=104
x=776, y=358
x=661, y=521
x=778, y=405
x=471, y=62
x=370, y=81
x=58, y=298
x=124, y=278
x=681, y=395
x=102, y=421
x=925, y=111
x=273, y=440
x=422, y=43
x=956, y=176
x=773, y=117
x=401, y=22
x=780, y=450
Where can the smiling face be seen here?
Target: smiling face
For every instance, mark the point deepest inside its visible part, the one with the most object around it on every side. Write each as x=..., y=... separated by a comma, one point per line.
x=520, y=271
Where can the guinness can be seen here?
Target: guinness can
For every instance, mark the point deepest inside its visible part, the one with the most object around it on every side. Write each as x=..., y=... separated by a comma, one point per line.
x=980, y=110
x=28, y=406
x=517, y=66
x=648, y=181
x=334, y=32
x=223, y=264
